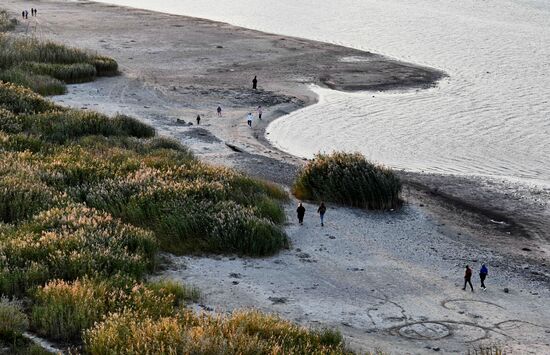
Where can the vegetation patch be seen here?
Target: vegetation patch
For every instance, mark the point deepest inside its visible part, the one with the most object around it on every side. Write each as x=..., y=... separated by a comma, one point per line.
x=68, y=73
x=45, y=67
x=245, y=332
x=42, y=84
x=348, y=179
x=62, y=310
x=17, y=99
x=7, y=23
x=68, y=243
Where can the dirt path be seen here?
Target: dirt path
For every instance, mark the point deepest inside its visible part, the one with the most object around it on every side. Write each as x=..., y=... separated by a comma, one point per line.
x=391, y=280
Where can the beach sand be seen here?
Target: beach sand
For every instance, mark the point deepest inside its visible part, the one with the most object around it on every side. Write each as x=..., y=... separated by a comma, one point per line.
x=386, y=280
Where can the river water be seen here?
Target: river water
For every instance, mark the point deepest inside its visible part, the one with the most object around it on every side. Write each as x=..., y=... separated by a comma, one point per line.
x=491, y=116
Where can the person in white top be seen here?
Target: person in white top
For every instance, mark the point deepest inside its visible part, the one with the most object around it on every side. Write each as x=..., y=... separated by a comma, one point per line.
x=249, y=119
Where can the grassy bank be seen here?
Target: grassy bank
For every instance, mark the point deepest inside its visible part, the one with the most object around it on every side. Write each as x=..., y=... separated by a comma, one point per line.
x=46, y=67
x=348, y=179
x=87, y=201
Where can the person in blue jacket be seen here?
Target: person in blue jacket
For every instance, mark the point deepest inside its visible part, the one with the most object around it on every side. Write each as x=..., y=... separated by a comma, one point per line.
x=483, y=272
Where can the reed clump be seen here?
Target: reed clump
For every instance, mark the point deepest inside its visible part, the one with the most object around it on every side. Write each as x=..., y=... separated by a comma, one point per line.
x=60, y=126
x=348, y=179
x=242, y=332
x=41, y=84
x=45, y=67
x=22, y=193
x=72, y=242
x=17, y=99
x=68, y=73
x=62, y=310
x=104, y=66
x=193, y=208
x=7, y=23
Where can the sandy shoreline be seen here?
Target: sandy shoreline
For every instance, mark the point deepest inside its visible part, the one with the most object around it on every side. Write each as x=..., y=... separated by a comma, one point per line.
x=386, y=280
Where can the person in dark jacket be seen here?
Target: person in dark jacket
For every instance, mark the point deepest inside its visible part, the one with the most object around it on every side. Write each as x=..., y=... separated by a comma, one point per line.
x=198, y=120
x=219, y=109
x=255, y=83
x=301, y=210
x=468, y=278
x=483, y=272
x=321, y=210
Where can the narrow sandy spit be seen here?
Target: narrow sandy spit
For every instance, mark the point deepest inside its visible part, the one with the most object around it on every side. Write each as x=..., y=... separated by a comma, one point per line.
x=386, y=280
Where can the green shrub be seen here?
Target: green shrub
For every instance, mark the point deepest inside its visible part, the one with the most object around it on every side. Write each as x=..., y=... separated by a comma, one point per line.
x=63, y=310
x=189, y=213
x=13, y=322
x=42, y=84
x=62, y=126
x=68, y=73
x=105, y=66
x=75, y=166
x=187, y=333
x=132, y=127
x=71, y=242
x=348, y=179
x=18, y=99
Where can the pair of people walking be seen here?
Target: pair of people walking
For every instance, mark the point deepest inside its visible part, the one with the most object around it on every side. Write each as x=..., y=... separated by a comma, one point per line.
x=483, y=272
x=301, y=211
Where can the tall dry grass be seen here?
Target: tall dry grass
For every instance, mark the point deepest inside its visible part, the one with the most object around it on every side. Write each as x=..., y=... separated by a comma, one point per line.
x=72, y=242
x=62, y=310
x=245, y=332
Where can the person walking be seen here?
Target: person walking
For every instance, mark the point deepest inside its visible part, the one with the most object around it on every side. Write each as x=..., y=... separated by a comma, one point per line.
x=468, y=278
x=260, y=111
x=483, y=272
x=301, y=210
x=198, y=120
x=219, y=110
x=255, y=82
x=322, y=210
x=249, y=119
